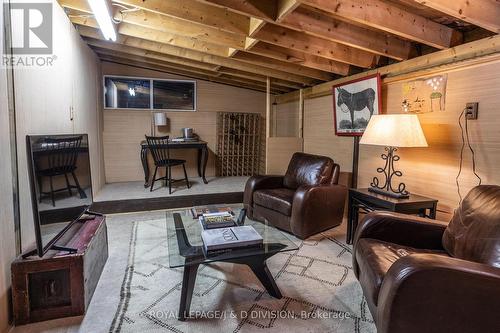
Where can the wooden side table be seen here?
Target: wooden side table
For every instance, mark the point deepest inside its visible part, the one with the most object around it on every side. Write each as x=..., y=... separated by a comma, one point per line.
x=366, y=201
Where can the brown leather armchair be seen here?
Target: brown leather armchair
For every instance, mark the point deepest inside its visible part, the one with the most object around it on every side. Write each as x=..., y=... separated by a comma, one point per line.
x=305, y=201
x=420, y=275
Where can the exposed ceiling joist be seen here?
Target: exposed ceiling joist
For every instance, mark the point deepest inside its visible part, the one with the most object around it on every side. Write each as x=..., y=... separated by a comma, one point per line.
x=220, y=79
x=126, y=59
x=387, y=17
x=320, y=24
x=148, y=46
x=304, y=59
x=313, y=45
x=283, y=66
x=284, y=8
x=297, y=43
x=483, y=13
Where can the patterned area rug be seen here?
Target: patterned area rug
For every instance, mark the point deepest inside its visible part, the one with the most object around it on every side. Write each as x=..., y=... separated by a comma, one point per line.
x=320, y=292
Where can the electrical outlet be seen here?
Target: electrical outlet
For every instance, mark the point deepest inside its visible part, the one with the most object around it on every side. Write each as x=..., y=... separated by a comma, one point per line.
x=472, y=109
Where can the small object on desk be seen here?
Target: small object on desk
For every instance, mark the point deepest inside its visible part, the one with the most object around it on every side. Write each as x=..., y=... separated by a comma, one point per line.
x=199, y=211
x=368, y=201
x=217, y=220
x=230, y=238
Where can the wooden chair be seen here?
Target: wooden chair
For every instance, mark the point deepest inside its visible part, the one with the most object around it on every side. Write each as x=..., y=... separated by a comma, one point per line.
x=158, y=146
x=61, y=157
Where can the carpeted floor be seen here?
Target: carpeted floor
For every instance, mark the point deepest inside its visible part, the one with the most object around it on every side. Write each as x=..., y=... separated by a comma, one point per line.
x=138, y=291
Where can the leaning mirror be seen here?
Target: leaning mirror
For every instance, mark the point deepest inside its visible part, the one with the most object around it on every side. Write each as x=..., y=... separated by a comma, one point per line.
x=61, y=184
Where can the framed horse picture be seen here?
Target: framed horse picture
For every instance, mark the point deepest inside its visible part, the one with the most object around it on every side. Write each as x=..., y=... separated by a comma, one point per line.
x=354, y=103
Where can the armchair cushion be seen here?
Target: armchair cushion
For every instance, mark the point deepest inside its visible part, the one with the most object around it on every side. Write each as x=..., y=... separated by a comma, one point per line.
x=407, y=230
x=279, y=199
x=374, y=258
x=474, y=231
x=307, y=169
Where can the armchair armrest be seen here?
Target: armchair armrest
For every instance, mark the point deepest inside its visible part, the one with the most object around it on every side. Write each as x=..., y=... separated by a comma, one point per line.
x=435, y=293
x=402, y=229
x=317, y=208
x=255, y=183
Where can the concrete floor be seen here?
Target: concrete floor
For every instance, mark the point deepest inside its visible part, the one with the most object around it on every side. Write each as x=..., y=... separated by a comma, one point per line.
x=136, y=190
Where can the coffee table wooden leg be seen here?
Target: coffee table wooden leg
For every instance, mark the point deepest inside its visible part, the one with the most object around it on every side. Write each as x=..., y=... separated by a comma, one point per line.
x=265, y=277
x=187, y=290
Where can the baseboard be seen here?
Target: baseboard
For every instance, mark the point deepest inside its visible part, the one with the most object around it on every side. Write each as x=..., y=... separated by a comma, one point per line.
x=138, y=205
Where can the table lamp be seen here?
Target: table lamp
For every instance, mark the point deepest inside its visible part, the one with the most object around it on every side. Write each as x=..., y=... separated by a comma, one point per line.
x=158, y=119
x=392, y=131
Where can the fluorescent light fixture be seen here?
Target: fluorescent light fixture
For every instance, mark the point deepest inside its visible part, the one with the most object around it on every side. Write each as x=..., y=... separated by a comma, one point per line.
x=101, y=14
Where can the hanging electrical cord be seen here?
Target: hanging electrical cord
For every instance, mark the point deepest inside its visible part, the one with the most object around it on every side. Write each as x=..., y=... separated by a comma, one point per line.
x=123, y=12
x=465, y=140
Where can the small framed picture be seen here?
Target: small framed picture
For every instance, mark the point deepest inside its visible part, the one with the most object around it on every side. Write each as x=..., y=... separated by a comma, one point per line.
x=354, y=103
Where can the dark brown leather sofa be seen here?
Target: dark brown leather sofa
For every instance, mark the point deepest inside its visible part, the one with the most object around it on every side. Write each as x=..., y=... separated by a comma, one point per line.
x=420, y=275
x=305, y=201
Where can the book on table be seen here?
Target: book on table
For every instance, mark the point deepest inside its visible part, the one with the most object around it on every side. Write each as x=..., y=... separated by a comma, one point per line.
x=230, y=238
x=217, y=220
x=199, y=211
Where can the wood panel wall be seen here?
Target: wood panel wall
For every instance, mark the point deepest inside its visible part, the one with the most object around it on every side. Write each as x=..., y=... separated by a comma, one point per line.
x=125, y=129
x=281, y=150
x=429, y=171
x=44, y=99
x=320, y=138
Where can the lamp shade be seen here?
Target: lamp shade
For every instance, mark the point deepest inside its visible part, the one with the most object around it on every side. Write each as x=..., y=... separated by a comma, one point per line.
x=394, y=130
x=160, y=119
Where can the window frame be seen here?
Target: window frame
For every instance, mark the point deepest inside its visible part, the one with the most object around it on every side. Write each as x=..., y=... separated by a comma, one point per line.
x=151, y=93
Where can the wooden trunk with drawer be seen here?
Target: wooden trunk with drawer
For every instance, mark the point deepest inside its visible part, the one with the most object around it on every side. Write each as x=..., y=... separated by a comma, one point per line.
x=58, y=284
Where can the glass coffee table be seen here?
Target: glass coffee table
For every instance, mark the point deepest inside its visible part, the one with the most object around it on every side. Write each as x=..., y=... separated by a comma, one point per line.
x=185, y=249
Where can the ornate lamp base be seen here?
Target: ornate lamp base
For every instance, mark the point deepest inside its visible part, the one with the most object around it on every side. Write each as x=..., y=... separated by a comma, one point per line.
x=389, y=171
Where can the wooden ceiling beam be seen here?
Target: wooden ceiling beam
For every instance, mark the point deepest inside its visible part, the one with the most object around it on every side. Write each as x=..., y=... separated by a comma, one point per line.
x=311, y=21
x=125, y=59
x=390, y=18
x=148, y=46
x=166, y=61
x=257, y=77
x=320, y=24
x=149, y=22
x=216, y=79
x=180, y=27
x=284, y=8
x=158, y=36
x=292, y=39
x=282, y=66
x=146, y=32
x=265, y=10
x=297, y=57
x=195, y=11
x=483, y=13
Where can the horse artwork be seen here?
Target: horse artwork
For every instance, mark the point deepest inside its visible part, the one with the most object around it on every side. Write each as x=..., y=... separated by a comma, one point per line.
x=354, y=104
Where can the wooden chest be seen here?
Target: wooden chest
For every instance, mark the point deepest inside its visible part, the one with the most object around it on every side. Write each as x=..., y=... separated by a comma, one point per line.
x=61, y=285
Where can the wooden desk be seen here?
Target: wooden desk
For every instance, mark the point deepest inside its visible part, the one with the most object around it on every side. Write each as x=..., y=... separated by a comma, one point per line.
x=200, y=146
x=362, y=199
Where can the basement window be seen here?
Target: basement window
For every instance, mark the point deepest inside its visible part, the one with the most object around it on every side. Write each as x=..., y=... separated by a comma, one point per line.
x=136, y=93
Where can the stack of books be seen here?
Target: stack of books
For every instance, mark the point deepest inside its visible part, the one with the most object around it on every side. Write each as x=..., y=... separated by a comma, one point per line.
x=199, y=211
x=223, y=239
x=216, y=220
